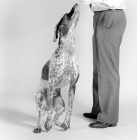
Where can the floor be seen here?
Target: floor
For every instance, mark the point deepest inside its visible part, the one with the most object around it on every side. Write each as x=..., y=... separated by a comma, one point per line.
x=18, y=118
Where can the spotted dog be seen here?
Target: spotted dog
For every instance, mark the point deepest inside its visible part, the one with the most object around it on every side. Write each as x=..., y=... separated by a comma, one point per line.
x=62, y=69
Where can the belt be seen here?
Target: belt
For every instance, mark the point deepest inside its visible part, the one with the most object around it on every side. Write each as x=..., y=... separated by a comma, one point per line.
x=108, y=10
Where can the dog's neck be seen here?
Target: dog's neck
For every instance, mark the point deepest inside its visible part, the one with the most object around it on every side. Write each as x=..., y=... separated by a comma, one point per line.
x=66, y=43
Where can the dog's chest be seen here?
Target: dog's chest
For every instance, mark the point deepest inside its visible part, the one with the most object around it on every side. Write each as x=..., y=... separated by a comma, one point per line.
x=61, y=64
x=63, y=68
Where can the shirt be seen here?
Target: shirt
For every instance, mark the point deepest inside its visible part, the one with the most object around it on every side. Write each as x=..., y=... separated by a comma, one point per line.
x=100, y=5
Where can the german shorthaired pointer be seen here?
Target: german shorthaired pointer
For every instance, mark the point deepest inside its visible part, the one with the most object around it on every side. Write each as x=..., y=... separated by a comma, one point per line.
x=62, y=69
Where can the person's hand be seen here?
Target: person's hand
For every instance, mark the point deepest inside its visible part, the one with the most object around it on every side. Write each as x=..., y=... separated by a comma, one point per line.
x=86, y=1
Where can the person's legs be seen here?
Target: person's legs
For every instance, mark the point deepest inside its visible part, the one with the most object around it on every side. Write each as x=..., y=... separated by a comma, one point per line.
x=109, y=29
x=96, y=107
x=109, y=36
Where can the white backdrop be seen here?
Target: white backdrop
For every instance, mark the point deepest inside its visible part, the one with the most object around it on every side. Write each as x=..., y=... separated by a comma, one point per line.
x=26, y=43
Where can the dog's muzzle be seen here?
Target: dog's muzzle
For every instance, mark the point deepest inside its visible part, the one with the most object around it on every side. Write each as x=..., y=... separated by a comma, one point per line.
x=75, y=12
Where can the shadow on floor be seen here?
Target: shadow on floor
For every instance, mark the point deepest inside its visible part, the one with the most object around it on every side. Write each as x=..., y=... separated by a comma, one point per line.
x=11, y=116
x=14, y=117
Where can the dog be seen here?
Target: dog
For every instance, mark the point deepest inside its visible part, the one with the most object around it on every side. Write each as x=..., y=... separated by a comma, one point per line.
x=62, y=69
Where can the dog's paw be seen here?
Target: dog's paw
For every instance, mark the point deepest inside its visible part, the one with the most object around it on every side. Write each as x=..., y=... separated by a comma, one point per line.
x=37, y=130
x=65, y=126
x=47, y=127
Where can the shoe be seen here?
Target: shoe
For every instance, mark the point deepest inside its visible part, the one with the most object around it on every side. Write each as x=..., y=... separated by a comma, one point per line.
x=89, y=115
x=101, y=125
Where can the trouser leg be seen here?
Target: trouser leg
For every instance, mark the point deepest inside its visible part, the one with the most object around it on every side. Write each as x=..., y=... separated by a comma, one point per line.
x=109, y=29
x=96, y=107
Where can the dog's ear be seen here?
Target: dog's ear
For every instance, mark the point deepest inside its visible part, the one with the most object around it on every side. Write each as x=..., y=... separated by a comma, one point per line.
x=61, y=28
x=57, y=28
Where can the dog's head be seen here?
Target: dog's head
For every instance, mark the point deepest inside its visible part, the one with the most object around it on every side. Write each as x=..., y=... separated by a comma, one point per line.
x=66, y=22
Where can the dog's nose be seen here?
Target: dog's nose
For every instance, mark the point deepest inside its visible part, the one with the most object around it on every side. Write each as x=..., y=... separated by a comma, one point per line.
x=76, y=5
x=77, y=8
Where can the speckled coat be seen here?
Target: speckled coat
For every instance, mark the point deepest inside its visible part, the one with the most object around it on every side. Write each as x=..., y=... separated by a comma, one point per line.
x=62, y=69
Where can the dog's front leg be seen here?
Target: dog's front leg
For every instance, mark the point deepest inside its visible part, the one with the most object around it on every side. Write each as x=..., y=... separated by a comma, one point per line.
x=40, y=104
x=48, y=123
x=66, y=123
x=41, y=112
x=38, y=129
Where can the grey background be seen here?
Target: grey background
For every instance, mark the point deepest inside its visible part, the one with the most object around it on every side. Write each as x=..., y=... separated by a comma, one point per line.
x=26, y=43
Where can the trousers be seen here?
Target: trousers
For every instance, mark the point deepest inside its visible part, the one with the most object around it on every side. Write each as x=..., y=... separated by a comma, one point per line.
x=109, y=27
